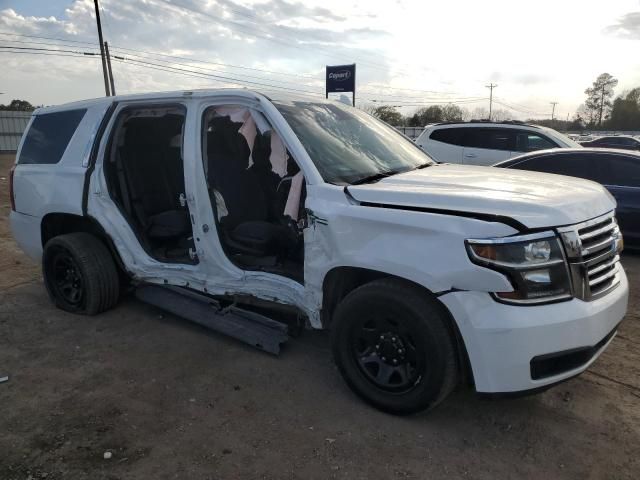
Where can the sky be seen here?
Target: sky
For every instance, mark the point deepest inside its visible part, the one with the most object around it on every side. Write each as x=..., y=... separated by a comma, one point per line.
x=409, y=53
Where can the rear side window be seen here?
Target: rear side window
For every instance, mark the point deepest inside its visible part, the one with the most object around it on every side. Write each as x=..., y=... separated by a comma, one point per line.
x=629, y=142
x=452, y=136
x=581, y=166
x=490, y=138
x=620, y=171
x=49, y=135
x=530, y=142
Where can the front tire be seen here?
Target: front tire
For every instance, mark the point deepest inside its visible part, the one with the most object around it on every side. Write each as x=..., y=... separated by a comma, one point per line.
x=80, y=274
x=392, y=345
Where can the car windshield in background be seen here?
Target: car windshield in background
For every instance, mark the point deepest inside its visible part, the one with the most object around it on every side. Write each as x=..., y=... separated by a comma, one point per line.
x=564, y=138
x=349, y=146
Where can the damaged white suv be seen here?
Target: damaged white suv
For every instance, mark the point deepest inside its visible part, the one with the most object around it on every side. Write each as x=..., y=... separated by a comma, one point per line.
x=226, y=206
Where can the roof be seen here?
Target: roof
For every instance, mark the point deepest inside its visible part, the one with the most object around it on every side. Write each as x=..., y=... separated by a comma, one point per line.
x=568, y=151
x=486, y=122
x=12, y=126
x=196, y=93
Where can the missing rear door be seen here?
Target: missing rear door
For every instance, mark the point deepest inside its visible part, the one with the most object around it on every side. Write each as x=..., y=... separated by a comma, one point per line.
x=144, y=170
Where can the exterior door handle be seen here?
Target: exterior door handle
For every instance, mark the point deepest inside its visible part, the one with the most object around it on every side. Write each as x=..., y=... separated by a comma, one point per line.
x=470, y=155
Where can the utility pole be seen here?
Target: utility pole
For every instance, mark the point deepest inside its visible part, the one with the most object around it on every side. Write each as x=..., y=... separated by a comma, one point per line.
x=491, y=86
x=106, y=51
x=553, y=109
x=104, y=61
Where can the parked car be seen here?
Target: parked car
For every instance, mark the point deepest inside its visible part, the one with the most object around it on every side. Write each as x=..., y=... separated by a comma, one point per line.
x=219, y=204
x=625, y=142
x=617, y=170
x=485, y=143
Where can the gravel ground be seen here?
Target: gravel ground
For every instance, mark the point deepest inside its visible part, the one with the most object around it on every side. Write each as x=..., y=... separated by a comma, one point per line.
x=169, y=399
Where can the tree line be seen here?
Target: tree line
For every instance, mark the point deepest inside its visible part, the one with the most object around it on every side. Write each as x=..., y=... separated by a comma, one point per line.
x=601, y=110
x=18, y=106
x=448, y=112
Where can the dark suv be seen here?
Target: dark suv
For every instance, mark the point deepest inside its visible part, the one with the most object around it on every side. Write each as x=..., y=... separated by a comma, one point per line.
x=625, y=142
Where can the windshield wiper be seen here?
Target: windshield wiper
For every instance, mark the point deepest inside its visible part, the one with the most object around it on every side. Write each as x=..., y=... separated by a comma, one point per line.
x=424, y=165
x=373, y=178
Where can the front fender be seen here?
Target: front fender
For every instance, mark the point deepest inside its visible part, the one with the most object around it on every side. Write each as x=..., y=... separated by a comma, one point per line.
x=425, y=248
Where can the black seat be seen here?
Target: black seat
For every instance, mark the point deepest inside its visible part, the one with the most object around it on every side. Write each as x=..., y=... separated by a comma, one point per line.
x=154, y=176
x=249, y=228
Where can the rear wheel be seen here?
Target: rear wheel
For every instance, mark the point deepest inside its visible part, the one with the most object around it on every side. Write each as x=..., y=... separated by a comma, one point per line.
x=393, y=347
x=80, y=274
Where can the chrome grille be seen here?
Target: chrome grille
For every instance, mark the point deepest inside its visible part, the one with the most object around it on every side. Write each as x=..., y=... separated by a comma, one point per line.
x=592, y=252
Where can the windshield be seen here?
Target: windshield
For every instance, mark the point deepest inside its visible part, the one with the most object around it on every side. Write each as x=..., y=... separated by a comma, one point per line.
x=347, y=145
x=568, y=142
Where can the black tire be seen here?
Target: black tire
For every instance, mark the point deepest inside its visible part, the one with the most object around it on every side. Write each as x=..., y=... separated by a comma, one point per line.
x=395, y=321
x=80, y=274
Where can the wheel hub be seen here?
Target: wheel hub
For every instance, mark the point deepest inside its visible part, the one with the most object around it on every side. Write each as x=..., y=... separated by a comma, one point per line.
x=391, y=349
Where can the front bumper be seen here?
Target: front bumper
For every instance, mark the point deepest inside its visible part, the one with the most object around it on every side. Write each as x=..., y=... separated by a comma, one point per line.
x=502, y=340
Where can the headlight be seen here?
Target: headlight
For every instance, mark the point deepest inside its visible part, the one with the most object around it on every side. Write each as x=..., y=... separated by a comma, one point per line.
x=534, y=264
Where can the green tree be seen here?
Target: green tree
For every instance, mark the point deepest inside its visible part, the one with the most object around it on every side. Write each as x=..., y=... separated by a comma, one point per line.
x=599, y=95
x=18, y=106
x=452, y=113
x=388, y=114
x=625, y=111
x=426, y=115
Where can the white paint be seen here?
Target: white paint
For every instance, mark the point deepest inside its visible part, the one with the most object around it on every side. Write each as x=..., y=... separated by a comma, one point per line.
x=426, y=248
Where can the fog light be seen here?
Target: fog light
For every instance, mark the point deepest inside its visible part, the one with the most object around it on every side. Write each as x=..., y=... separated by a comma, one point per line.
x=537, y=276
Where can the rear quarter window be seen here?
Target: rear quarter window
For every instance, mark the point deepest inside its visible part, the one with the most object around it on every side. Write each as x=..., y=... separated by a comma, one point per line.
x=452, y=136
x=48, y=137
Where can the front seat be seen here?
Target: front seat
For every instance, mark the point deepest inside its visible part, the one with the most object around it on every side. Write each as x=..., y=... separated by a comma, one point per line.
x=247, y=228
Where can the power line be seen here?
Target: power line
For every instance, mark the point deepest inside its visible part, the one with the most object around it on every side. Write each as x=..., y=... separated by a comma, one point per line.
x=74, y=55
x=49, y=50
x=156, y=66
x=397, y=98
x=553, y=108
x=206, y=69
x=115, y=47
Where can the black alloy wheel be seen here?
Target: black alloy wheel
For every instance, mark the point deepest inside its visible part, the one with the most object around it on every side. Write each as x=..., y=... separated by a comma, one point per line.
x=386, y=352
x=80, y=273
x=394, y=346
x=67, y=278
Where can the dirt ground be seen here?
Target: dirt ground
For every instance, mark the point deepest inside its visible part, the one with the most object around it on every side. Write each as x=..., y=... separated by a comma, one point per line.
x=169, y=399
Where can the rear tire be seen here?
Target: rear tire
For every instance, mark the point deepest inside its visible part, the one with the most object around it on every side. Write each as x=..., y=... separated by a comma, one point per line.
x=392, y=344
x=80, y=274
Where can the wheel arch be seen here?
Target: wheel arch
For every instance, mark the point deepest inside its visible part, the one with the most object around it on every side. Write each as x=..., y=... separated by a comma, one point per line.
x=340, y=281
x=60, y=223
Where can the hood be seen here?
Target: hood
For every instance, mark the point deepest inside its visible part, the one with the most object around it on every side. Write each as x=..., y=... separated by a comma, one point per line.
x=536, y=200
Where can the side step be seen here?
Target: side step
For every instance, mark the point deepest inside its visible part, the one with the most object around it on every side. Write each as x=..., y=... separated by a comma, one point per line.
x=249, y=327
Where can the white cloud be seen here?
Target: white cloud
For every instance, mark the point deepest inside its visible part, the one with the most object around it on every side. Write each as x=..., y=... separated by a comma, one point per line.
x=537, y=53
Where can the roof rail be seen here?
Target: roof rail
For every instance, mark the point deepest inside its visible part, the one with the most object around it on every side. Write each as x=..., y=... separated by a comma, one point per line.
x=483, y=120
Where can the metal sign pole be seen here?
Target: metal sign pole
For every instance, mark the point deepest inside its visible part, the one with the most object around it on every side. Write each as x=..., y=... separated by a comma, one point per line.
x=354, y=84
x=326, y=84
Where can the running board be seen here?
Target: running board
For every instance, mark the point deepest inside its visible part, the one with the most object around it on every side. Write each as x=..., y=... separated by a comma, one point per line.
x=248, y=327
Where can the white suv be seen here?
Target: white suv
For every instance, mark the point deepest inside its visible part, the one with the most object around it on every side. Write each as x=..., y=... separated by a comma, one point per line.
x=223, y=205
x=487, y=143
